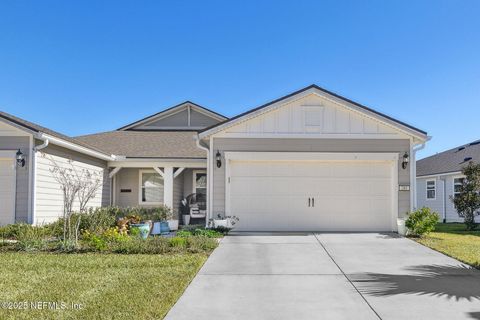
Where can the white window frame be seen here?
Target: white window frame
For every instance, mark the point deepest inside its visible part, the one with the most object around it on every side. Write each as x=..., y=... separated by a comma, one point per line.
x=140, y=187
x=453, y=184
x=194, y=179
x=434, y=189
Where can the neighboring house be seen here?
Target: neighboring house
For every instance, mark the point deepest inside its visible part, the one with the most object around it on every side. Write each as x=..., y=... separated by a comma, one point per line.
x=311, y=160
x=439, y=176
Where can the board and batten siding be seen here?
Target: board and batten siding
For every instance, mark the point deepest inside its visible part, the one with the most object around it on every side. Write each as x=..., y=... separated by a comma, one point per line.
x=48, y=193
x=399, y=146
x=22, y=174
x=442, y=199
x=178, y=186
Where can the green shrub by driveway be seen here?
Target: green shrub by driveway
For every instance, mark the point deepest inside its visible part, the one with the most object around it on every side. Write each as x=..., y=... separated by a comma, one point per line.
x=421, y=221
x=107, y=286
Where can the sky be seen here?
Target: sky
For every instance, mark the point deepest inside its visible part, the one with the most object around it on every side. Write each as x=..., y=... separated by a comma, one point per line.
x=81, y=67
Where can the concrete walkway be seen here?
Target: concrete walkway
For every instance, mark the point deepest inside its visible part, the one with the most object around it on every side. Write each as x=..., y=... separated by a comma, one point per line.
x=329, y=276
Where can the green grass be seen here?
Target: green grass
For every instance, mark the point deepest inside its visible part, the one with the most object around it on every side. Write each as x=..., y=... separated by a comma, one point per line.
x=453, y=240
x=109, y=286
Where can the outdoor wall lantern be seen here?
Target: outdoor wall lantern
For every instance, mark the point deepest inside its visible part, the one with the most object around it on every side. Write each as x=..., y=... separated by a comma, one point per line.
x=405, y=161
x=218, y=156
x=20, y=158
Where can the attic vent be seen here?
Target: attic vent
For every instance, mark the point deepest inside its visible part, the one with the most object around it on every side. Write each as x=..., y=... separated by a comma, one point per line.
x=467, y=159
x=461, y=148
x=474, y=143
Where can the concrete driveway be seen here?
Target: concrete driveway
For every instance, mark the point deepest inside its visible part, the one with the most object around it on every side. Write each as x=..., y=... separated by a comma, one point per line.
x=329, y=276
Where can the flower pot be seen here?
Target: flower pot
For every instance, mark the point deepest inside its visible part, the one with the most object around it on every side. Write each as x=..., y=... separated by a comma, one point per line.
x=155, y=228
x=173, y=225
x=401, y=229
x=144, y=229
x=221, y=223
x=186, y=219
x=164, y=228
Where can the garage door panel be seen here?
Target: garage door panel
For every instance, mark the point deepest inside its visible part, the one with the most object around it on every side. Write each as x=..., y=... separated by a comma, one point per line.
x=349, y=196
x=7, y=191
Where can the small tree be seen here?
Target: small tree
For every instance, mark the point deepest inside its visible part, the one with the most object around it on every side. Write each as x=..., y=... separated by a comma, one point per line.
x=467, y=201
x=75, y=184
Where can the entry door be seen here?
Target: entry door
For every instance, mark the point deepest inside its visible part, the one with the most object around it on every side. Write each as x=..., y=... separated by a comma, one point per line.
x=7, y=187
x=311, y=195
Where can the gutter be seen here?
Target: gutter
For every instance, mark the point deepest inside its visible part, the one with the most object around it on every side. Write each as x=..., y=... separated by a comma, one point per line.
x=74, y=147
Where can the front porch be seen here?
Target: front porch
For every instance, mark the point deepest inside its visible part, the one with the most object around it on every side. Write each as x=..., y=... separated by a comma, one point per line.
x=150, y=183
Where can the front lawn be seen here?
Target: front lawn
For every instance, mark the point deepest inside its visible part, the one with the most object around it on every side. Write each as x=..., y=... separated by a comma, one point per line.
x=103, y=286
x=452, y=239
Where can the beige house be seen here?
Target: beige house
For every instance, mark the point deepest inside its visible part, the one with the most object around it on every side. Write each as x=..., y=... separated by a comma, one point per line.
x=311, y=160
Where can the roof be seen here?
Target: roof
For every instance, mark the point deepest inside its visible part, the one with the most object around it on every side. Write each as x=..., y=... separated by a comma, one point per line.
x=147, y=144
x=126, y=127
x=40, y=129
x=314, y=86
x=452, y=160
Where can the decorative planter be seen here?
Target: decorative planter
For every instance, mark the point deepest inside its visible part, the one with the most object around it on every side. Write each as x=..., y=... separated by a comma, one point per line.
x=173, y=225
x=186, y=219
x=144, y=229
x=221, y=223
x=401, y=229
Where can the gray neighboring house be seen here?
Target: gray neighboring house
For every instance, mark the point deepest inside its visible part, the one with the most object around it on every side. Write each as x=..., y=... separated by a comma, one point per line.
x=439, y=175
x=311, y=160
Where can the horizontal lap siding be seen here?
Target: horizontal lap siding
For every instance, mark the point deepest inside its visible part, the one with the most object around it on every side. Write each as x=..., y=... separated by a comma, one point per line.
x=21, y=200
x=399, y=146
x=442, y=200
x=49, y=196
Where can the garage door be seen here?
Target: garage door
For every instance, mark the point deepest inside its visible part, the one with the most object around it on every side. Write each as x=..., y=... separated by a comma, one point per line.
x=7, y=187
x=311, y=195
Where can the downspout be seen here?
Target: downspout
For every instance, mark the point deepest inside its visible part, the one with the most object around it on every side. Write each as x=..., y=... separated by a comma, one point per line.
x=414, y=169
x=209, y=173
x=444, y=194
x=35, y=149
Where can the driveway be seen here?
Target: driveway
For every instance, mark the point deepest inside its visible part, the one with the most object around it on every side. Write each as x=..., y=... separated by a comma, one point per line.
x=329, y=276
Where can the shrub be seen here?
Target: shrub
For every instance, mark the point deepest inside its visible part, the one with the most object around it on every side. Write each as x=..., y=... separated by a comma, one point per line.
x=209, y=233
x=11, y=231
x=421, y=222
x=31, y=238
x=178, y=242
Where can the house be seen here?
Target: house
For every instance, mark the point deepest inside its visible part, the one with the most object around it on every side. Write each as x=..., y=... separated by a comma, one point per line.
x=439, y=176
x=311, y=160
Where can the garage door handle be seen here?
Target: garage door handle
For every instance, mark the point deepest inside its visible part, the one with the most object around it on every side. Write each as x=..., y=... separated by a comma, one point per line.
x=309, y=202
x=313, y=202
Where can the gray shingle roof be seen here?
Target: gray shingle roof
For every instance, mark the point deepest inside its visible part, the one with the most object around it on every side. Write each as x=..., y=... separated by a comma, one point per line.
x=40, y=129
x=449, y=161
x=146, y=144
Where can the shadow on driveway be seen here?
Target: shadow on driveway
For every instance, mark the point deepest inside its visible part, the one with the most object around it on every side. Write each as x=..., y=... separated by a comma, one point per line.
x=457, y=282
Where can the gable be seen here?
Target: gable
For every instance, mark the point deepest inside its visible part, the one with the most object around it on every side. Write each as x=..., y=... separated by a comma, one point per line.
x=185, y=116
x=312, y=115
x=314, y=112
x=9, y=130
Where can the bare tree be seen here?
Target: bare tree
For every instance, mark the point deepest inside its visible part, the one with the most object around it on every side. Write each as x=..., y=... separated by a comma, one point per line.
x=75, y=184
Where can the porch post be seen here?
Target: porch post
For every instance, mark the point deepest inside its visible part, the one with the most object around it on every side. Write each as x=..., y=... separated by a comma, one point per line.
x=168, y=187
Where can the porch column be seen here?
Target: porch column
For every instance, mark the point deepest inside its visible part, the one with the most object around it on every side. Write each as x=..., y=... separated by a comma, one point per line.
x=168, y=187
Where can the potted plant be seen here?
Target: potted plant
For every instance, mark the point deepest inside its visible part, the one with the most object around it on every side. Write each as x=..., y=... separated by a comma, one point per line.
x=185, y=212
x=160, y=225
x=172, y=222
x=225, y=222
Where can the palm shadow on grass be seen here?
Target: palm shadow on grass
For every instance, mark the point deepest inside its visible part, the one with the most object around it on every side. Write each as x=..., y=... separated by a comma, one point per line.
x=454, y=282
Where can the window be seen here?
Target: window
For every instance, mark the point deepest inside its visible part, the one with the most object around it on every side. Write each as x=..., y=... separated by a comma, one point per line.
x=200, y=185
x=151, y=187
x=431, y=189
x=457, y=185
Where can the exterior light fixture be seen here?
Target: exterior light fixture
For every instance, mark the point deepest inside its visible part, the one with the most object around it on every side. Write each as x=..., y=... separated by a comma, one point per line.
x=218, y=157
x=405, y=161
x=20, y=157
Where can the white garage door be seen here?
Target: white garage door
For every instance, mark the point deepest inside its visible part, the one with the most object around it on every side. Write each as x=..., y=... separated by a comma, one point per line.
x=7, y=187
x=311, y=195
